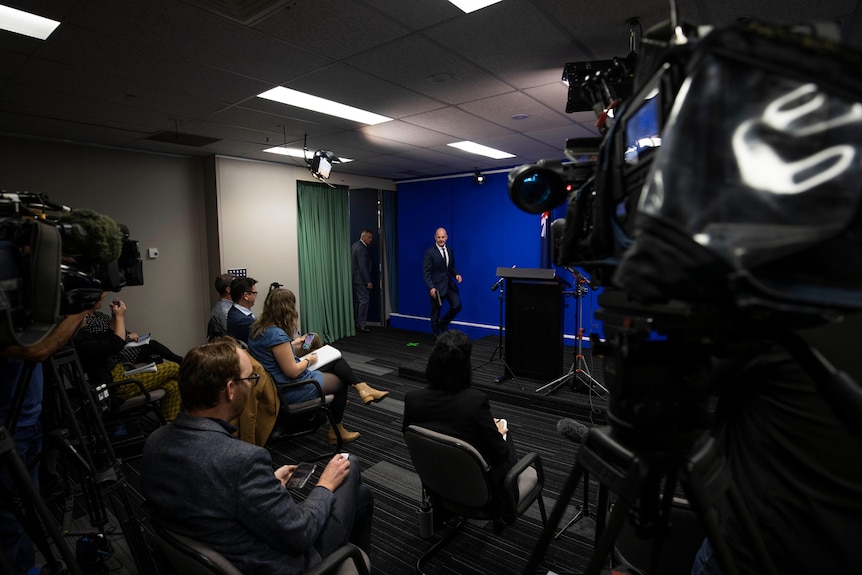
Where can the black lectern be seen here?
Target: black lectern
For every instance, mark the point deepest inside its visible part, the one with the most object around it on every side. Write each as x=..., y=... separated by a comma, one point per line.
x=534, y=322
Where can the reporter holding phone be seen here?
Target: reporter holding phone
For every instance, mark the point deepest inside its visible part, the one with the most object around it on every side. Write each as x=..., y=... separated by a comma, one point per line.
x=271, y=345
x=203, y=483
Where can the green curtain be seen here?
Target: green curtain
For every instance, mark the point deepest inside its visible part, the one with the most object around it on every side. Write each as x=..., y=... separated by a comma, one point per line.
x=324, y=260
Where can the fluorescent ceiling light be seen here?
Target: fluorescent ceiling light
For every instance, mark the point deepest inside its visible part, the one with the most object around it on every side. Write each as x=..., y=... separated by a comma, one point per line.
x=472, y=5
x=481, y=150
x=315, y=104
x=297, y=153
x=25, y=23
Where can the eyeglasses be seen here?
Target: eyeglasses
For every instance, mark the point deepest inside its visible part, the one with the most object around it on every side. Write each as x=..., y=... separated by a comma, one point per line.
x=251, y=292
x=252, y=379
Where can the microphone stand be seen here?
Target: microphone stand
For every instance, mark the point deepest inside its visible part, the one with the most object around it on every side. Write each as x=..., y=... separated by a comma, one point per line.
x=507, y=371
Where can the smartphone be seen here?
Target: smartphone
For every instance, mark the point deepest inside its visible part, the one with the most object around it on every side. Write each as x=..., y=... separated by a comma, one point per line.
x=301, y=475
x=308, y=340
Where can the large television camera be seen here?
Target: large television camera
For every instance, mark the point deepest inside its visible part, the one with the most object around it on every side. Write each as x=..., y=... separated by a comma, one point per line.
x=728, y=176
x=54, y=261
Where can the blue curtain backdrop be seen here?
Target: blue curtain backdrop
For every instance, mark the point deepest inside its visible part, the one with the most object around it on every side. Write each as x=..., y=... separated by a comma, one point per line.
x=486, y=231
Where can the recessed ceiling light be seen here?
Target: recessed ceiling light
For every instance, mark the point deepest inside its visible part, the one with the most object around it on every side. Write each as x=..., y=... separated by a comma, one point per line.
x=297, y=153
x=25, y=23
x=316, y=104
x=472, y=5
x=481, y=150
x=520, y=116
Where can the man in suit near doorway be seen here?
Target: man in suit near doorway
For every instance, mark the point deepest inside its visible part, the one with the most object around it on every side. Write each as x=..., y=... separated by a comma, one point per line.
x=360, y=263
x=441, y=279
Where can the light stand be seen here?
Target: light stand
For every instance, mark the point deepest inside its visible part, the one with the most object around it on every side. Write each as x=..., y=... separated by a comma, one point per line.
x=578, y=372
x=507, y=371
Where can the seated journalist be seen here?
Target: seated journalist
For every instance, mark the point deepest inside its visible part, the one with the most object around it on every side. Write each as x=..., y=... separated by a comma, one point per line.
x=271, y=343
x=450, y=406
x=205, y=484
x=99, y=349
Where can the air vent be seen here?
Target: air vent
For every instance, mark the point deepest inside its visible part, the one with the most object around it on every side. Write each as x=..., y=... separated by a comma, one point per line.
x=182, y=139
x=246, y=12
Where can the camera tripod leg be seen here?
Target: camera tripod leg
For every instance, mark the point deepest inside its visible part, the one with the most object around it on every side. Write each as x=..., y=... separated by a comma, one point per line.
x=584, y=510
x=566, y=493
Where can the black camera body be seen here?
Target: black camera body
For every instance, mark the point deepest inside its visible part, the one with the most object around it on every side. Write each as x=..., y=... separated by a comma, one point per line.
x=56, y=261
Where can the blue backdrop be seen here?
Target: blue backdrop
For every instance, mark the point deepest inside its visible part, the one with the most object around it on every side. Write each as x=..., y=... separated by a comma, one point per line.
x=486, y=231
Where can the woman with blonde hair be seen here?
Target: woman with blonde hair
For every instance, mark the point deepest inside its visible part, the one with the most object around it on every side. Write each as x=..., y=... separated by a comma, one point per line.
x=271, y=342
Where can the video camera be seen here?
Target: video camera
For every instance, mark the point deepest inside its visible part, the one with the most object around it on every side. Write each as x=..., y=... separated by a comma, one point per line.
x=54, y=261
x=728, y=177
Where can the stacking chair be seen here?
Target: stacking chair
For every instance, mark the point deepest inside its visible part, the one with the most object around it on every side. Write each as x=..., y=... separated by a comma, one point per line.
x=457, y=478
x=190, y=557
x=304, y=418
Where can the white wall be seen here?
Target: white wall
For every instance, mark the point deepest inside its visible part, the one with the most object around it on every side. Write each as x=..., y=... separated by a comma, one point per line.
x=158, y=197
x=161, y=199
x=258, y=214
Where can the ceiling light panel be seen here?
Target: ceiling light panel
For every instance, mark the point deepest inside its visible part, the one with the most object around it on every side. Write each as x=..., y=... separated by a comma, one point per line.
x=322, y=105
x=481, y=150
x=25, y=23
x=472, y=5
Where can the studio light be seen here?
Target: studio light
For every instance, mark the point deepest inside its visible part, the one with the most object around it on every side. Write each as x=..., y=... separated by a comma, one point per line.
x=478, y=177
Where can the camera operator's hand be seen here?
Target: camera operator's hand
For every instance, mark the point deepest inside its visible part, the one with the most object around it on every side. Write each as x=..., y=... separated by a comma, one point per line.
x=56, y=338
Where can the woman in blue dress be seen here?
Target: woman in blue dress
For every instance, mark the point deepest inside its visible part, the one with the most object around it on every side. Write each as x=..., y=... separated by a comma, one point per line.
x=273, y=342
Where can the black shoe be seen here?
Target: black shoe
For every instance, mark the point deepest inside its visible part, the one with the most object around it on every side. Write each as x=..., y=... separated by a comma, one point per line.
x=363, y=330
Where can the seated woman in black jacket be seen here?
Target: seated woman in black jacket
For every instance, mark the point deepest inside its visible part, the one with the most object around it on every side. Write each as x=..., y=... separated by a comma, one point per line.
x=98, y=349
x=450, y=406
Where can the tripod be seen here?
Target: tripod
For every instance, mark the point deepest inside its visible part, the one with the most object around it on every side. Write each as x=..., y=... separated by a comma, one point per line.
x=693, y=458
x=507, y=371
x=585, y=511
x=89, y=453
x=578, y=372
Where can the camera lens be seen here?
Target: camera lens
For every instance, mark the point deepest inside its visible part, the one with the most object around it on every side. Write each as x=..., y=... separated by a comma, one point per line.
x=536, y=189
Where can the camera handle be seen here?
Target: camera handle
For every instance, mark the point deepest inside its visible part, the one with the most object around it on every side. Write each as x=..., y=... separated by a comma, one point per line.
x=507, y=371
x=703, y=474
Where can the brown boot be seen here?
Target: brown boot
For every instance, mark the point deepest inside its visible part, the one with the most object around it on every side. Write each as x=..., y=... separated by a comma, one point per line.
x=346, y=436
x=368, y=394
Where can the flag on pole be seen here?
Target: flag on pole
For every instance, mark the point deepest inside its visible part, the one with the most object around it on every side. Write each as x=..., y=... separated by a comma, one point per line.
x=545, y=258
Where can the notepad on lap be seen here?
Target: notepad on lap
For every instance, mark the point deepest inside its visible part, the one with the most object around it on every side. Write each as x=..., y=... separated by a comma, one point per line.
x=325, y=355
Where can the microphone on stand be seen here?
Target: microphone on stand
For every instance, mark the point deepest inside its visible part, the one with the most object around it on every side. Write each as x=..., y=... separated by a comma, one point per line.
x=581, y=278
x=572, y=430
x=499, y=281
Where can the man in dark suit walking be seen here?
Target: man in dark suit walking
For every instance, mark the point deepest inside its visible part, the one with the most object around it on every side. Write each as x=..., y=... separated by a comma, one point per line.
x=360, y=263
x=441, y=279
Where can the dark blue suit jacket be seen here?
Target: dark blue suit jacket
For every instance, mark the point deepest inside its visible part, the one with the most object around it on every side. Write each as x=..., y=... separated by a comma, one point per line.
x=210, y=486
x=436, y=273
x=239, y=324
x=360, y=263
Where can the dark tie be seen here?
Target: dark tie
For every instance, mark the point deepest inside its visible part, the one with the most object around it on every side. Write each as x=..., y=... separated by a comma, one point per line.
x=445, y=255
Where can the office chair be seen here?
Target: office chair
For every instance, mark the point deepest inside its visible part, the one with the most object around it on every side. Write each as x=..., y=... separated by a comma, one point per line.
x=305, y=417
x=190, y=557
x=457, y=478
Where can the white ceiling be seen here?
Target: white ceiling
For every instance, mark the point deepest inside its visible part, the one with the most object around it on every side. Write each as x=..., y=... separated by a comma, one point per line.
x=118, y=72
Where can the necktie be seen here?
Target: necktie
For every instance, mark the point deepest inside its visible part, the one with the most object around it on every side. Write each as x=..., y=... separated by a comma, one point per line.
x=445, y=255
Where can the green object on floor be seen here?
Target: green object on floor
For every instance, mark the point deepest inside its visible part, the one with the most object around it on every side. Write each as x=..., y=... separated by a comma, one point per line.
x=412, y=344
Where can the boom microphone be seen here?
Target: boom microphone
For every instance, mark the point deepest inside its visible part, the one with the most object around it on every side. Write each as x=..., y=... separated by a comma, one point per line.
x=572, y=430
